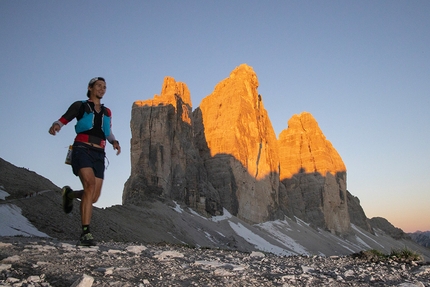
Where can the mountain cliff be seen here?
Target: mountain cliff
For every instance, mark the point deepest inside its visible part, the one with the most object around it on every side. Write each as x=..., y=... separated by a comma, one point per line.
x=225, y=154
x=164, y=160
x=313, y=174
x=238, y=145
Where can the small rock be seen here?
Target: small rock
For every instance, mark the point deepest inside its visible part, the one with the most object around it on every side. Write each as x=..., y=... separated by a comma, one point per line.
x=12, y=259
x=5, y=266
x=136, y=249
x=84, y=281
x=257, y=254
x=35, y=279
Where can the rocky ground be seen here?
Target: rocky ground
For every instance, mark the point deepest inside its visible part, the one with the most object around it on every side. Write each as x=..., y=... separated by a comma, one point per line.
x=48, y=262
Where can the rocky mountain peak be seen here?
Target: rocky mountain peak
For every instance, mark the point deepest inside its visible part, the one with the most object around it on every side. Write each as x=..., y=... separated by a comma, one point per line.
x=304, y=148
x=171, y=91
x=236, y=123
x=240, y=146
x=245, y=73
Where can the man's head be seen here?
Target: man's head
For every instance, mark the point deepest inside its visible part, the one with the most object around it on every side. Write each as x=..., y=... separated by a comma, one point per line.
x=92, y=83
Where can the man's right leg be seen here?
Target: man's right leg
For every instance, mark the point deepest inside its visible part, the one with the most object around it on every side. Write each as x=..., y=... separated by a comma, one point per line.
x=88, y=180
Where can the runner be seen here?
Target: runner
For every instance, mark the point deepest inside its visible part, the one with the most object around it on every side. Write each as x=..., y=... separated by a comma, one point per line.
x=93, y=128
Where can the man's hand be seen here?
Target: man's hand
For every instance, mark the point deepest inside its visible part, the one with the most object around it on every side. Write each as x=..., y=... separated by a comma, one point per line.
x=116, y=147
x=54, y=129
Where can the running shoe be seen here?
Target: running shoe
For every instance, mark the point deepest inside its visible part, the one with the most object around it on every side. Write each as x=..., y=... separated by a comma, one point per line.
x=67, y=201
x=86, y=240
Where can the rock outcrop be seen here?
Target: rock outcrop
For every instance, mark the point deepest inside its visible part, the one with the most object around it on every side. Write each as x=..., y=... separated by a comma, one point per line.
x=313, y=174
x=225, y=154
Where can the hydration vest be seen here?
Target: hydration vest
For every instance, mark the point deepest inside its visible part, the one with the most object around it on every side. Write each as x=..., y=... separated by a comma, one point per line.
x=87, y=116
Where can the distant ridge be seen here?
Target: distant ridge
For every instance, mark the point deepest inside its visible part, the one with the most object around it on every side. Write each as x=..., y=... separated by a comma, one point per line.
x=421, y=237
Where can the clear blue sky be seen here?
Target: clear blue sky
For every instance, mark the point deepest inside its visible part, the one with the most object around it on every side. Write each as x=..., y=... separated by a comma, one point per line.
x=362, y=68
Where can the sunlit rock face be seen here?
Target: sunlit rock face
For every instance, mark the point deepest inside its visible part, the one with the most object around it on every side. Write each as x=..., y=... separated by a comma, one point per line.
x=239, y=146
x=304, y=148
x=164, y=162
x=313, y=174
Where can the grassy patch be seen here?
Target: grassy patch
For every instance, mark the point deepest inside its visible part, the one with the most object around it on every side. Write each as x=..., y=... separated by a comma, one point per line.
x=403, y=254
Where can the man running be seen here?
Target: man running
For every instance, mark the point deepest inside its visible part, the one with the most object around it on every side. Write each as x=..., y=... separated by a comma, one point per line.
x=93, y=128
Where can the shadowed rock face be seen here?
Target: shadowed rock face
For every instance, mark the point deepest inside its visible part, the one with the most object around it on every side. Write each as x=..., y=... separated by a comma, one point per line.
x=356, y=213
x=225, y=154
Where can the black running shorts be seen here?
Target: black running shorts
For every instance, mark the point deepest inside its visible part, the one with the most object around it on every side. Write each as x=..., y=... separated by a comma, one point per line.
x=84, y=155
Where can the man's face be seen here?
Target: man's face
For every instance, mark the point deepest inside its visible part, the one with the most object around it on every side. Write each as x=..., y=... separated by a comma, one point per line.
x=98, y=89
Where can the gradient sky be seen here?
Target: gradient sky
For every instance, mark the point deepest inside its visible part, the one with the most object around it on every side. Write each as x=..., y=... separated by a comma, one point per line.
x=362, y=68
